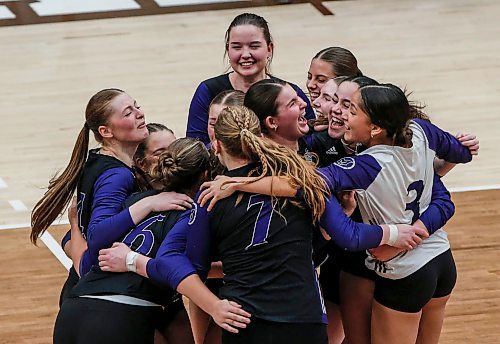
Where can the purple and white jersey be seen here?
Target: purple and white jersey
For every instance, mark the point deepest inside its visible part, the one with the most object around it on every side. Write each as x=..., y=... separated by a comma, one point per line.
x=394, y=185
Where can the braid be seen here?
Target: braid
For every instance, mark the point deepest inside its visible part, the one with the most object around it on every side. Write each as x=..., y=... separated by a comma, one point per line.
x=238, y=129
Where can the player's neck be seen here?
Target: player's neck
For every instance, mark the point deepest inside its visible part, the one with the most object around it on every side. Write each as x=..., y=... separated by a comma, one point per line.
x=233, y=163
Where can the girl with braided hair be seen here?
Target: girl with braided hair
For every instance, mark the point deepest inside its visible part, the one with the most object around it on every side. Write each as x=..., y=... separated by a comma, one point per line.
x=394, y=180
x=264, y=242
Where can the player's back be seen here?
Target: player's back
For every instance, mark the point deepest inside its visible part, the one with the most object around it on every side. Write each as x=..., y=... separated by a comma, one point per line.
x=266, y=251
x=399, y=193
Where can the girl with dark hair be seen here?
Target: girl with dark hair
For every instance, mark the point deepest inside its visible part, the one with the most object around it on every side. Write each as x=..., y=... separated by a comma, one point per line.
x=398, y=165
x=103, y=177
x=249, y=47
x=327, y=64
x=264, y=242
x=281, y=113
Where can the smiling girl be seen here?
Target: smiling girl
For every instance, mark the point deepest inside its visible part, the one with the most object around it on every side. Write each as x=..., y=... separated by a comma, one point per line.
x=249, y=48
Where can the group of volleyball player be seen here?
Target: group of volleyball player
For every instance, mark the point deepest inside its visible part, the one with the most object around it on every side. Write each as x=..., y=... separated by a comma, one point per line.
x=268, y=188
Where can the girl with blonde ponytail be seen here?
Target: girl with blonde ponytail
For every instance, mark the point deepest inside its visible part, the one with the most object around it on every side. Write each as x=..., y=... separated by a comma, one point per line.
x=102, y=178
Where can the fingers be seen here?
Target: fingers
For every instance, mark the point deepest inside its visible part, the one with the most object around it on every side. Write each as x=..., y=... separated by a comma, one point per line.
x=422, y=233
x=212, y=203
x=229, y=328
x=204, y=196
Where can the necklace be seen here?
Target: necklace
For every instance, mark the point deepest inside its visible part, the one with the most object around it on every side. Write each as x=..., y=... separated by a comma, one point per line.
x=349, y=147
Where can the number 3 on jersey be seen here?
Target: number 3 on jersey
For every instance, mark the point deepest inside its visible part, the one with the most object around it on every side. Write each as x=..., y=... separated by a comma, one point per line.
x=414, y=206
x=263, y=221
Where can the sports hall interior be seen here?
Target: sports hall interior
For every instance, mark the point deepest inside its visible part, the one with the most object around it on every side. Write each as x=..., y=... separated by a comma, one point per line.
x=54, y=54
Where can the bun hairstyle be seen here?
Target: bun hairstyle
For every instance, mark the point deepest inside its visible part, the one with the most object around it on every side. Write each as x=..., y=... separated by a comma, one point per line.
x=182, y=164
x=238, y=130
x=388, y=107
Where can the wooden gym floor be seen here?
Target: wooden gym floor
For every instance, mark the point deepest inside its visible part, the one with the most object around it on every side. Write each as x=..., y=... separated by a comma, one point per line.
x=52, y=61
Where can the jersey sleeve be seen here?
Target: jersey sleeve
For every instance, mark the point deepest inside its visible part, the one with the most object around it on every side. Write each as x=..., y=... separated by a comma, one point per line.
x=309, y=110
x=446, y=146
x=185, y=250
x=441, y=208
x=198, y=114
x=351, y=173
x=109, y=220
x=346, y=233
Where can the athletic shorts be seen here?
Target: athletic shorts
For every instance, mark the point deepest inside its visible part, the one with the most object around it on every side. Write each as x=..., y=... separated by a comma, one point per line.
x=410, y=294
x=353, y=262
x=169, y=312
x=94, y=321
x=329, y=275
x=261, y=331
x=71, y=281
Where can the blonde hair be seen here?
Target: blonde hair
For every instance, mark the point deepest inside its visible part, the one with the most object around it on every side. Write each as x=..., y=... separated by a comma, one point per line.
x=238, y=130
x=181, y=164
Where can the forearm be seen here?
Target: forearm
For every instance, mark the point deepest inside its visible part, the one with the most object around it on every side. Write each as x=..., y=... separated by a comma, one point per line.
x=193, y=288
x=273, y=186
x=442, y=167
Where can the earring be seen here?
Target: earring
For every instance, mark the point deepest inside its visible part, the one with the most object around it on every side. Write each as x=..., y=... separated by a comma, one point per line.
x=371, y=135
x=275, y=128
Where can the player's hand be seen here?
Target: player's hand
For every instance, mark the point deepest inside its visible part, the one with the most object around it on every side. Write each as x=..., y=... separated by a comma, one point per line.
x=230, y=316
x=347, y=201
x=215, y=190
x=113, y=259
x=73, y=213
x=165, y=201
x=385, y=252
x=410, y=236
x=470, y=141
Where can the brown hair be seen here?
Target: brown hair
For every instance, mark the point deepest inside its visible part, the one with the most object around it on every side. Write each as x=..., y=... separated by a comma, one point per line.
x=250, y=19
x=229, y=98
x=342, y=61
x=238, y=130
x=62, y=187
x=182, y=164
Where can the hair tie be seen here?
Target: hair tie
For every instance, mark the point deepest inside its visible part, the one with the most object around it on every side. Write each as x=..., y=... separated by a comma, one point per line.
x=244, y=131
x=86, y=125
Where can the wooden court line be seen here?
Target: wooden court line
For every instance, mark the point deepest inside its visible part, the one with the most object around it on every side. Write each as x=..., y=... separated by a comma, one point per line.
x=452, y=190
x=25, y=15
x=56, y=250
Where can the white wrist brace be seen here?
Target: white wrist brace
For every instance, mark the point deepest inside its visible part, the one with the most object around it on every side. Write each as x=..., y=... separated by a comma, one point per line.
x=130, y=261
x=393, y=235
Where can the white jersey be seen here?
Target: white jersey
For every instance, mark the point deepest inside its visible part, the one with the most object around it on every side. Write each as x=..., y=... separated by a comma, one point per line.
x=394, y=185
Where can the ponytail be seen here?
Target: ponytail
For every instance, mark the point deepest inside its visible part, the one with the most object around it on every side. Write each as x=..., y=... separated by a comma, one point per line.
x=238, y=129
x=61, y=188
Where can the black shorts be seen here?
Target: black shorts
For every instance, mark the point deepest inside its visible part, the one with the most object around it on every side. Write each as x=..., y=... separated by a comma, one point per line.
x=329, y=275
x=85, y=320
x=169, y=313
x=71, y=281
x=261, y=331
x=353, y=262
x=410, y=294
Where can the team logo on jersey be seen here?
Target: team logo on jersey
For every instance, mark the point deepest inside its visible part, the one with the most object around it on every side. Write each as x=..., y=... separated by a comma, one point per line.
x=192, y=215
x=346, y=163
x=332, y=151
